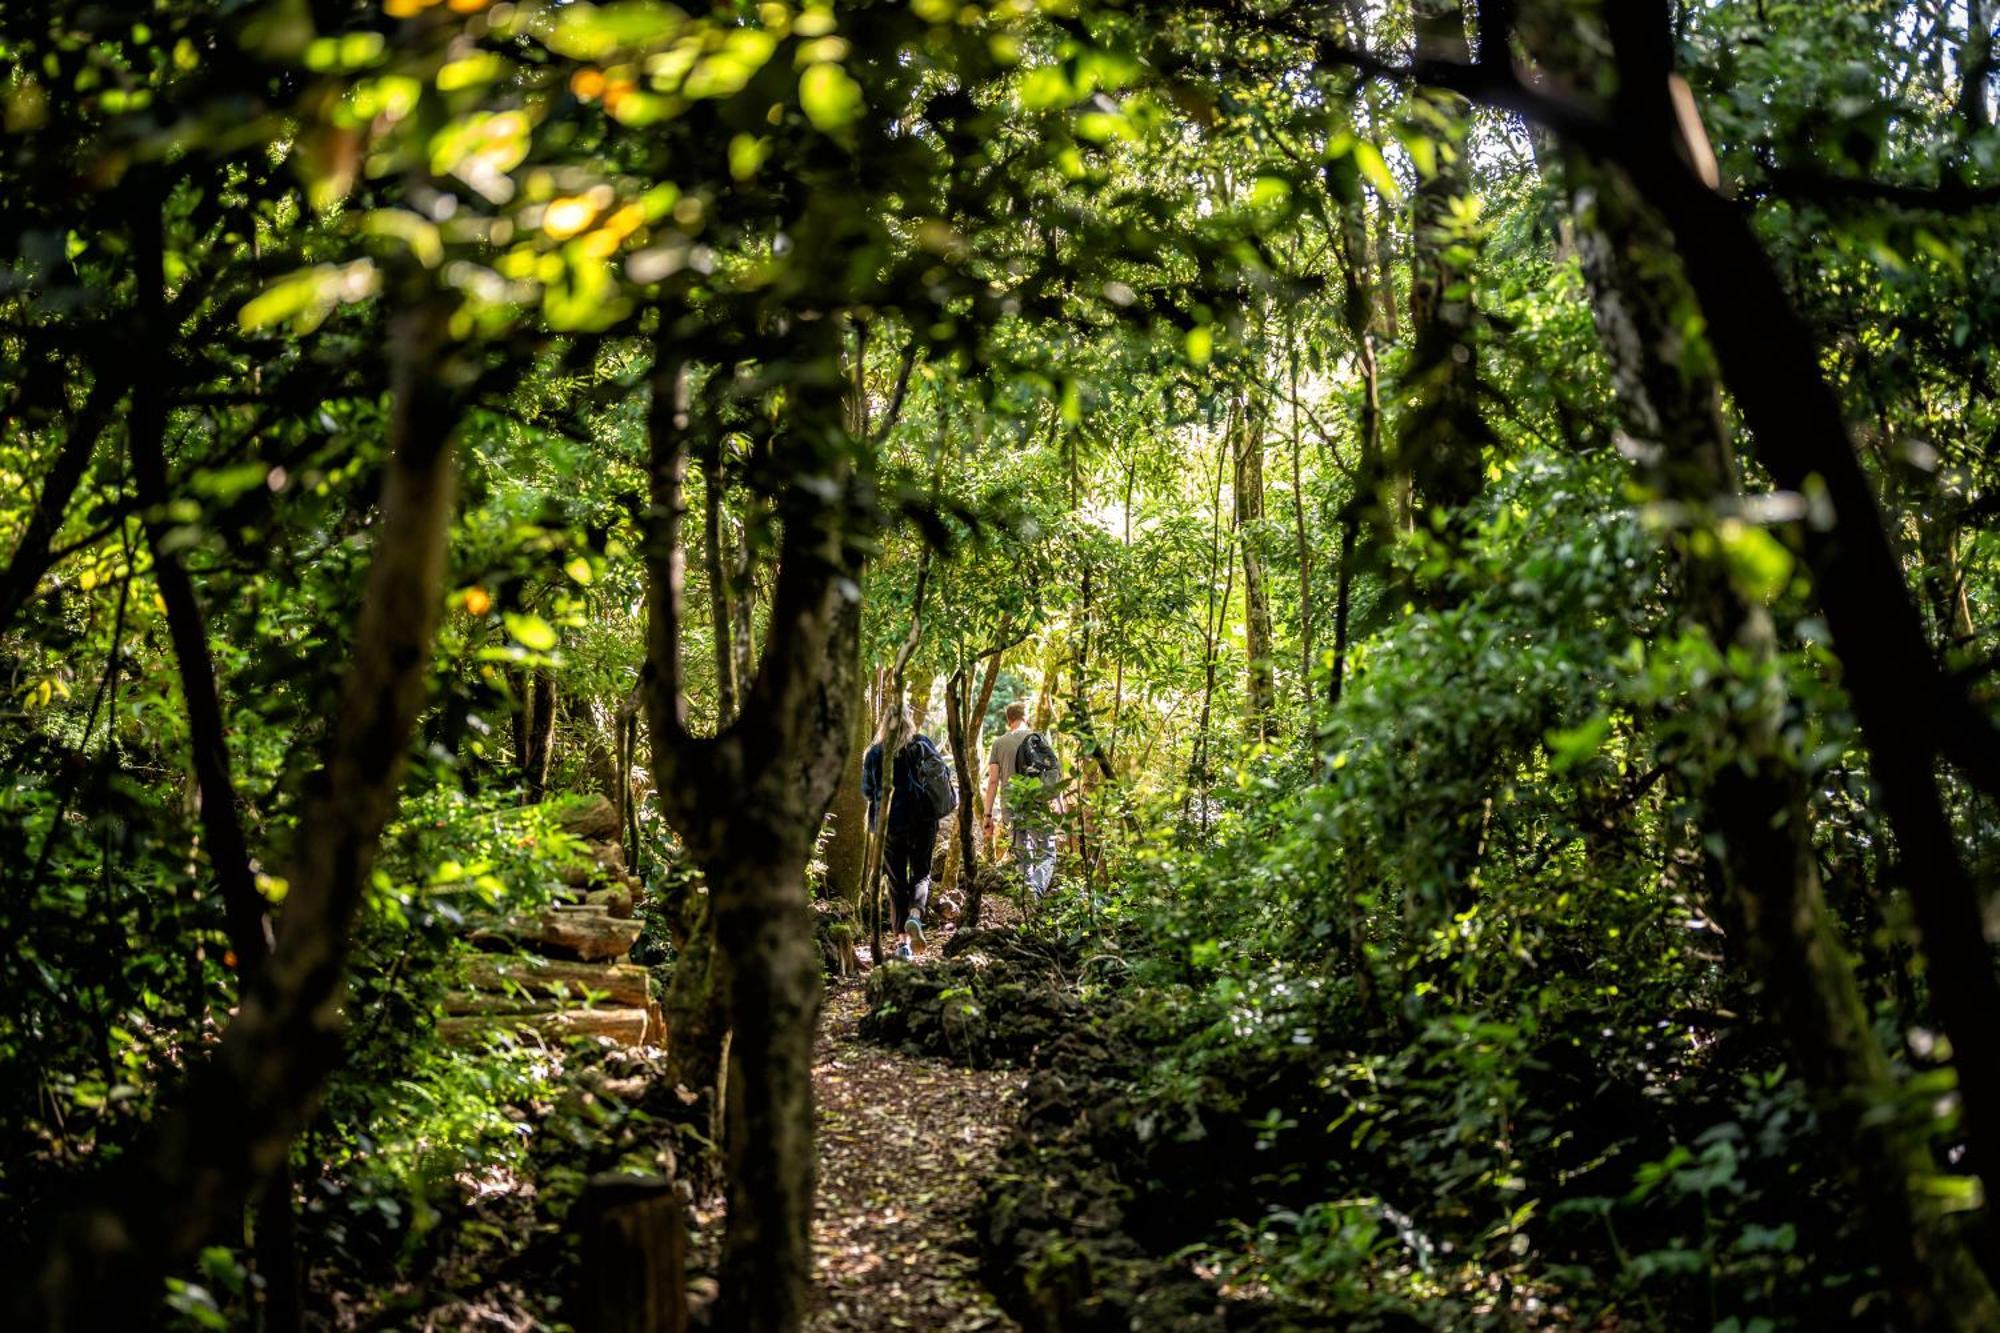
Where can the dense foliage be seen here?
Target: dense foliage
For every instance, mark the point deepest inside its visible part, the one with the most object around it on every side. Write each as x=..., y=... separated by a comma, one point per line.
x=1495, y=502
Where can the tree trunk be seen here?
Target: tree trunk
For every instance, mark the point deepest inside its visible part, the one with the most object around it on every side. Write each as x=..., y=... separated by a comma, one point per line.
x=1442, y=436
x=632, y=1256
x=1975, y=66
x=716, y=564
x=922, y=686
x=1757, y=805
x=520, y=684
x=541, y=735
x=1218, y=611
x=1247, y=492
x=234, y=1127
x=771, y=963
x=847, y=847
x=1303, y=545
x=1909, y=713
x=31, y=557
x=747, y=804
x=1044, y=715
x=1368, y=506
x=955, y=709
x=187, y=628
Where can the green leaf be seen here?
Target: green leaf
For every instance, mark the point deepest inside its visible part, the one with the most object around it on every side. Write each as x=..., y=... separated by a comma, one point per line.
x=1570, y=746
x=1423, y=151
x=229, y=482
x=1045, y=88
x=830, y=97
x=531, y=632
x=1200, y=344
x=1758, y=561
x=293, y=297
x=592, y=32
x=1369, y=158
x=746, y=154
x=1270, y=191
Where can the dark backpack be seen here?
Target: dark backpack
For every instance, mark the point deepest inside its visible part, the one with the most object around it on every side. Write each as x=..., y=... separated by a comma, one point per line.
x=1037, y=759
x=929, y=777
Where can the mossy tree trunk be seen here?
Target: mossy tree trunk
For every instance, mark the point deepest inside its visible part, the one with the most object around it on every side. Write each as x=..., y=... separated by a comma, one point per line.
x=747, y=803
x=1757, y=801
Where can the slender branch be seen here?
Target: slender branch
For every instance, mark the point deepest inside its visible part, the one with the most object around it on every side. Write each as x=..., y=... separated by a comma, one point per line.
x=228, y=849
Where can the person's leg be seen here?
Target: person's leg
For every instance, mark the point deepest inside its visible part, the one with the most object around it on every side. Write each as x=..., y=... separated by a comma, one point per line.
x=923, y=854
x=896, y=866
x=1041, y=860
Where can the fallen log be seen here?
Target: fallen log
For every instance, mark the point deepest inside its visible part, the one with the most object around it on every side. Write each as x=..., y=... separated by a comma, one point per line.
x=490, y=1004
x=626, y=1026
x=588, y=936
x=621, y=984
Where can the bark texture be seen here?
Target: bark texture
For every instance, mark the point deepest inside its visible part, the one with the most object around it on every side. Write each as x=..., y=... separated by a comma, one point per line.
x=1247, y=492
x=747, y=804
x=234, y=1127
x=1909, y=715
x=1669, y=408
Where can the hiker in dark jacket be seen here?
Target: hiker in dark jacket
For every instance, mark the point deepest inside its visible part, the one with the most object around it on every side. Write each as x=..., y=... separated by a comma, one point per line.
x=910, y=841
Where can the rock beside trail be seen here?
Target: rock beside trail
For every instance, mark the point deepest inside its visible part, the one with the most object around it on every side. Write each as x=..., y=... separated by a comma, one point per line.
x=593, y=819
x=1063, y=1245
x=835, y=931
x=987, y=1003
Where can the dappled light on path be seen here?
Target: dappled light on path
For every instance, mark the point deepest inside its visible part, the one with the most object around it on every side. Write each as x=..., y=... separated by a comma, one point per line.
x=903, y=1144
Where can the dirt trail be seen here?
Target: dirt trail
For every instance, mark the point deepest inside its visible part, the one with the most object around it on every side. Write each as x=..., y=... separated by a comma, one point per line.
x=903, y=1142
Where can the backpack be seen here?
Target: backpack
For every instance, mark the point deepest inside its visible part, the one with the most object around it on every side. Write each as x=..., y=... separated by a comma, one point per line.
x=1037, y=759
x=929, y=777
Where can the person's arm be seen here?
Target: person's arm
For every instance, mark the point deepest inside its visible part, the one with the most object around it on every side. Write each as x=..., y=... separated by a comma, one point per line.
x=992, y=791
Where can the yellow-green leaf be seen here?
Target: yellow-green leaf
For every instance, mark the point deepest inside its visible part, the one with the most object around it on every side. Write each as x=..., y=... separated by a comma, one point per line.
x=1369, y=158
x=1200, y=344
x=830, y=97
x=531, y=632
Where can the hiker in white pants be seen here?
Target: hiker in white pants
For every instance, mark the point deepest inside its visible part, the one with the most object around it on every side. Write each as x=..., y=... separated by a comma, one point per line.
x=1031, y=813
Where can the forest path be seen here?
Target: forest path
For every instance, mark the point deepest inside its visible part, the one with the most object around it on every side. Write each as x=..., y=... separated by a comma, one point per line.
x=903, y=1143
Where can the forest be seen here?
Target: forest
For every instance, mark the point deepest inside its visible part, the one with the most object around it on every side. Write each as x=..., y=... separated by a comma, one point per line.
x=1068, y=665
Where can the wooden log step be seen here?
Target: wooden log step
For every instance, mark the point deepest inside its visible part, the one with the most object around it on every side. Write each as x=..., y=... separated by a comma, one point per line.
x=621, y=984
x=490, y=1004
x=626, y=1026
x=588, y=936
